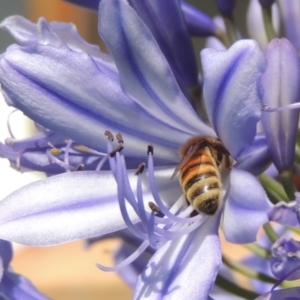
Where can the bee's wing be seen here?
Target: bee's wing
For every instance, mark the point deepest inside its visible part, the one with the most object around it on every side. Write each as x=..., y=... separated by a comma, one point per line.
x=191, y=151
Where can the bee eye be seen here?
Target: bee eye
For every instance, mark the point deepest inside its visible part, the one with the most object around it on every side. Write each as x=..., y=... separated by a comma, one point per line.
x=219, y=157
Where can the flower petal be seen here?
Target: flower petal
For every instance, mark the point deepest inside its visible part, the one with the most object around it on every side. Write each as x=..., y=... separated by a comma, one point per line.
x=17, y=287
x=166, y=23
x=246, y=208
x=174, y=265
x=28, y=33
x=91, y=4
x=6, y=253
x=291, y=294
x=255, y=23
x=60, y=99
x=231, y=92
x=70, y=206
x=255, y=158
x=144, y=71
x=291, y=22
x=281, y=87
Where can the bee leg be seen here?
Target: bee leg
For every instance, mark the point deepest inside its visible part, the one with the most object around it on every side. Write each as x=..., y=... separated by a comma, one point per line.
x=227, y=162
x=194, y=213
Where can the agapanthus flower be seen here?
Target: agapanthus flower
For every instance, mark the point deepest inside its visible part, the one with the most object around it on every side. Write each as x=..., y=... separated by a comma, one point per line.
x=80, y=98
x=12, y=285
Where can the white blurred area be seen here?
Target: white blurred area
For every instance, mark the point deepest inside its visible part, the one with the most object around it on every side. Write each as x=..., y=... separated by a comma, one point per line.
x=22, y=127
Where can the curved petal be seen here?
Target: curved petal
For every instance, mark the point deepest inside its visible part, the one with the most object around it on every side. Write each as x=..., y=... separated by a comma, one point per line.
x=17, y=287
x=91, y=4
x=231, y=92
x=166, y=23
x=281, y=87
x=198, y=23
x=255, y=158
x=144, y=71
x=291, y=22
x=292, y=294
x=255, y=23
x=71, y=206
x=6, y=253
x=194, y=259
x=286, y=213
x=226, y=7
x=82, y=105
x=246, y=208
x=27, y=33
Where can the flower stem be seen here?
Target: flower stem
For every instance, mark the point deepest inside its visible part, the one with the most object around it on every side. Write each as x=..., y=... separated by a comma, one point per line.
x=267, y=17
x=232, y=288
x=258, y=250
x=286, y=178
x=273, y=188
x=270, y=232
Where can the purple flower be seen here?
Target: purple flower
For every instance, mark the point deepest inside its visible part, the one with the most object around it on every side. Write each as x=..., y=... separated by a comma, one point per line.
x=75, y=91
x=12, y=285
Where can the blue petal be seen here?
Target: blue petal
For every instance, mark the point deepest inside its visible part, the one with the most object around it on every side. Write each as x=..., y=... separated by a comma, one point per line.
x=144, y=71
x=71, y=206
x=17, y=287
x=290, y=12
x=255, y=158
x=281, y=87
x=246, y=208
x=6, y=253
x=231, y=93
x=285, y=294
x=184, y=268
x=255, y=23
x=166, y=23
x=59, y=33
x=91, y=4
x=266, y=3
x=198, y=23
x=226, y=7
x=82, y=105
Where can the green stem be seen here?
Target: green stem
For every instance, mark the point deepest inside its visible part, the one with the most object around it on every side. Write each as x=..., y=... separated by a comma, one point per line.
x=232, y=288
x=270, y=232
x=267, y=17
x=273, y=188
x=247, y=271
x=258, y=250
x=286, y=178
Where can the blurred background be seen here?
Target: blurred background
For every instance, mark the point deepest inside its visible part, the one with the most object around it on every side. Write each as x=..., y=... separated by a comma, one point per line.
x=69, y=271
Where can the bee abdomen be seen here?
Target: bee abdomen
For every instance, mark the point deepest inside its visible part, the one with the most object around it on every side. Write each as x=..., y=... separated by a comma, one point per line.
x=204, y=195
x=198, y=177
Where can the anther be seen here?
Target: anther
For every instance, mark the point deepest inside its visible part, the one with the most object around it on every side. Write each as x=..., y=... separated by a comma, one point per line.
x=119, y=138
x=266, y=107
x=150, y=149
x=55, y=151
x=140, y=169
x=80, y=167
x=117, y=149
x=109, y=135
x=154, y=207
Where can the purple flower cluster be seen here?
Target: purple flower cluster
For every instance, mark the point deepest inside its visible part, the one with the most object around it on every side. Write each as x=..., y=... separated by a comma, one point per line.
x=110, y=126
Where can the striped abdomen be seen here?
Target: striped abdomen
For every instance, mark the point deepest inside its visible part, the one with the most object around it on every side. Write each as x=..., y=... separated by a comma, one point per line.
x=200, y=180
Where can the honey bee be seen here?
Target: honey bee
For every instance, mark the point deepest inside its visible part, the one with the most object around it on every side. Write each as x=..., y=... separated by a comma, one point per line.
x=199, y=173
